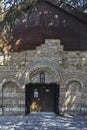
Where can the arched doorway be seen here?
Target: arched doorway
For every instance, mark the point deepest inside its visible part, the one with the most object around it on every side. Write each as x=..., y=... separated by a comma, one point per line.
x=42, y=94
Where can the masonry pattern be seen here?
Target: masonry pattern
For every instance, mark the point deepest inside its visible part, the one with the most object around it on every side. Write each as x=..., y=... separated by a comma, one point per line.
x=67, y=68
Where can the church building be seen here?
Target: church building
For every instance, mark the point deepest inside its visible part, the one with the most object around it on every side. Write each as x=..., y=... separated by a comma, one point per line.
x=45, y=67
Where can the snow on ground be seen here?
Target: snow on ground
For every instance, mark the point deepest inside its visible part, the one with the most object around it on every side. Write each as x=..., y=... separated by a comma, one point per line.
x=43, y=121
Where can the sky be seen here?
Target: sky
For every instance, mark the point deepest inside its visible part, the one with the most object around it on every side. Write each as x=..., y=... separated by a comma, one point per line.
x=8, y=3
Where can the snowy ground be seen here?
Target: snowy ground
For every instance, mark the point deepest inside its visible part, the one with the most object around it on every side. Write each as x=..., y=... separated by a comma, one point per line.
x=43, y=121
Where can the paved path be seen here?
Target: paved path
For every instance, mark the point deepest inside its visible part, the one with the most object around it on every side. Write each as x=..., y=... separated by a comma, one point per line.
x=44, y=121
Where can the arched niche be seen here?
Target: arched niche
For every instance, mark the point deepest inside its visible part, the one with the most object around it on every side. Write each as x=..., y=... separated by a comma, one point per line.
x=9, y=98
x=73, y=97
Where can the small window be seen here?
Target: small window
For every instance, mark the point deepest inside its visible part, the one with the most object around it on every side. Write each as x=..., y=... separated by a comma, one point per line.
x=42, y=77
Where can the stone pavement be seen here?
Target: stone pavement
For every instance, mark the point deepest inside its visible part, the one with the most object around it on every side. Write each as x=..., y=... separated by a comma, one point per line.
x=43, y=121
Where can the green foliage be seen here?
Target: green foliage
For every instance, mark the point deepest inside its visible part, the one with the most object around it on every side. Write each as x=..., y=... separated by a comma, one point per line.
x=13, y=13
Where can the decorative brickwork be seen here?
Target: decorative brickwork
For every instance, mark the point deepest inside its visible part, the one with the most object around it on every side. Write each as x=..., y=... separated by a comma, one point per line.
x=68, y=69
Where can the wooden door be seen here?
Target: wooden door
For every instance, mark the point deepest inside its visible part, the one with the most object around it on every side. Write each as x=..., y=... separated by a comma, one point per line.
x=47, y=98
x=41, y=98
x=35, y=98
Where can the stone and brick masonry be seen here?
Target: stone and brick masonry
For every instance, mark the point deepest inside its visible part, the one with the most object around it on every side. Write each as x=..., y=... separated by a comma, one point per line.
x=67, y=68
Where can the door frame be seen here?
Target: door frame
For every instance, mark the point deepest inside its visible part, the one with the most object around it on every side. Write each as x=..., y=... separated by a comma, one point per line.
x=56, y=96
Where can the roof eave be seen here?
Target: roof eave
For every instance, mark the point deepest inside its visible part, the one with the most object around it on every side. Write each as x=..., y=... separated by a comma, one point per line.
x=71, y=10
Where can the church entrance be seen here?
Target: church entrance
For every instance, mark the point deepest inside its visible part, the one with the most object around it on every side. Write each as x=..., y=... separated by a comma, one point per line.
x=42, y=97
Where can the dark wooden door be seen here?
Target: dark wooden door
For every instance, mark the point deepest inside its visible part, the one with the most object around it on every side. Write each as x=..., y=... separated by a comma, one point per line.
x=47, y=98
x=41, y=98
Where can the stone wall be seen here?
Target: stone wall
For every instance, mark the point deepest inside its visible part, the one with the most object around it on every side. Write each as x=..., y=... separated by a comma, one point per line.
x=69, y=69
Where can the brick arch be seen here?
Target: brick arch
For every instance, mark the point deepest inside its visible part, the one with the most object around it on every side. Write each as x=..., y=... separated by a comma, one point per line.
x=9, y=83
x=48, y=66
x=82, y=79
x=7, y=79
x=73, y=79
x=76, y=82
x=48, y=70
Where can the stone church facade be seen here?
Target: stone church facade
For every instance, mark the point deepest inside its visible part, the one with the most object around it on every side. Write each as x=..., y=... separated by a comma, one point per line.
x=68, y=69
x=44, y=67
